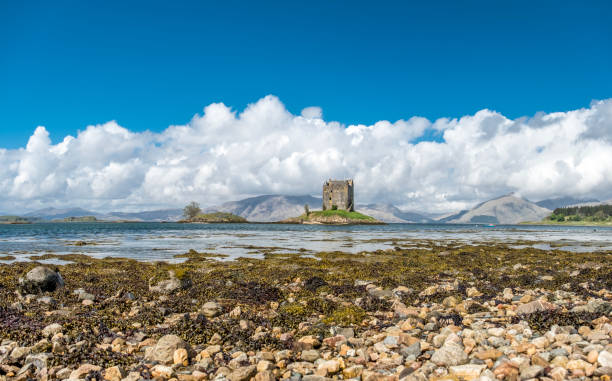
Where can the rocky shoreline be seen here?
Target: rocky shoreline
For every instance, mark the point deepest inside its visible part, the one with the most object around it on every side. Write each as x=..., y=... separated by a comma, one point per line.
x=441, y=312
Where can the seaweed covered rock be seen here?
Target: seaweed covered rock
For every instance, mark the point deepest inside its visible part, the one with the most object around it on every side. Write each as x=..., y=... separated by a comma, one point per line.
x=163, y=351
x=170, y=285
x=40, y=279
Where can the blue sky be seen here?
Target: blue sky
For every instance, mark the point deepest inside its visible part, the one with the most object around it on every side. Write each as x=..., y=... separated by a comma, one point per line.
x=150, y=64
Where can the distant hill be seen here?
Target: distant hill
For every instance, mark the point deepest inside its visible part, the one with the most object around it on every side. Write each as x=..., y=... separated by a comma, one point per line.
x=151, y=215
x=59, y=214
x=272, y=208
x=391, y=214
x=268, y=208
x=50, y=214
x=593, y=203
x=450, y=217
x=507, y=209
x=561, y=202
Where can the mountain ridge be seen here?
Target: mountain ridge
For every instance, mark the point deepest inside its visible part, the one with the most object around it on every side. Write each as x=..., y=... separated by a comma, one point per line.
x=507, y=209
x=561, y=202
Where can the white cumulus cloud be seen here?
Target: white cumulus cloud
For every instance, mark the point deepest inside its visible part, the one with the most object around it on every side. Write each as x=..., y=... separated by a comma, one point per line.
x=223, y=155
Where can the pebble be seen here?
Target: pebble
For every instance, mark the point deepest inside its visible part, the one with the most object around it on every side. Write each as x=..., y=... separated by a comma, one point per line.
x=467, y=371
x=532, y=371
x=211, y=309
x=181, y=357
x=605, y=359
x=243, y=374
x=163, y=371
x=450, y=354
x=330, y=366
x=310, y=355
x=164, y=349
x=398, y=342
x=51, y=330
x=114, y=373
x=83, y=370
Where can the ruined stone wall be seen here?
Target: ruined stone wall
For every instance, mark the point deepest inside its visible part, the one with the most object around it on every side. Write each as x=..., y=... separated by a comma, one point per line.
x=338, y=193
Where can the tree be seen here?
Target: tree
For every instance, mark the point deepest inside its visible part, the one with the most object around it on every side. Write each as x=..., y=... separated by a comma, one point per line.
x=192, y=210
x=306, y=210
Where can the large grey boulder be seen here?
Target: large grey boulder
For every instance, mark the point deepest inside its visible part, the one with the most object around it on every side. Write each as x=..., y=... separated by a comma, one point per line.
x=41, y=279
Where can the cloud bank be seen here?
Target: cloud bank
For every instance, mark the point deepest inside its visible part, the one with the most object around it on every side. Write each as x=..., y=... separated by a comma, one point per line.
x=223, y=155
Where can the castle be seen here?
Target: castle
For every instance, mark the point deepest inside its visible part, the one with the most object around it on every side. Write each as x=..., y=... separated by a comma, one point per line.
x=338, y=194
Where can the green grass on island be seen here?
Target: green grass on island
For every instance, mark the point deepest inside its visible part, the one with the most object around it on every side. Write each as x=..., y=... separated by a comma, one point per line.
x=217, y=217
x=333, y=217
x=342, y=213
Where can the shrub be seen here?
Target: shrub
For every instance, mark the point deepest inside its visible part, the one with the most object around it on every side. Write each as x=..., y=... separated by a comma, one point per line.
x=192, y=210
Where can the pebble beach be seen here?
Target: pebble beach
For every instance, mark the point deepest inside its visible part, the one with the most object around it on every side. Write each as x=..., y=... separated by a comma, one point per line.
x=444, y=312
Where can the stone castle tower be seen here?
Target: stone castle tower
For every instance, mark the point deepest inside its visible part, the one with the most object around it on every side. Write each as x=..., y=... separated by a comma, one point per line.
x=338, y=194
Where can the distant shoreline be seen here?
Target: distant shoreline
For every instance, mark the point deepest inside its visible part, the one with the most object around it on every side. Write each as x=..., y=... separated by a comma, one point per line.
x=569, y=223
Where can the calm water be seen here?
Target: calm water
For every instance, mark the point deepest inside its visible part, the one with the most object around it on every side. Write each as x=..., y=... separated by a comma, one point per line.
x=162, y=241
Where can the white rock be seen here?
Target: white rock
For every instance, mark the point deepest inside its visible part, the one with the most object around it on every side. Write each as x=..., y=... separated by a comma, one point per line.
x=467, y=371
x=605, y=359
x=51, y=330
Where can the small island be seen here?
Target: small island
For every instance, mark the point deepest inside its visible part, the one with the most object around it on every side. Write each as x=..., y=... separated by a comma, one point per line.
x=216, y=218
x=333, y=217
x=338, y=208
x=14, y=220
x=78, y=219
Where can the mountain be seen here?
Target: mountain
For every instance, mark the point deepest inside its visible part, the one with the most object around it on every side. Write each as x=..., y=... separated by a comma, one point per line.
x=55, y=214
x=151, y=215
x=450, y=217
x=554, y=203
x=391, y=214
x=268, y=208
x=271, y=208
x=507, y=209
x=593, y=203
x=49, y=214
